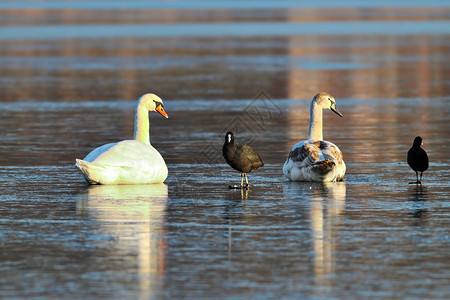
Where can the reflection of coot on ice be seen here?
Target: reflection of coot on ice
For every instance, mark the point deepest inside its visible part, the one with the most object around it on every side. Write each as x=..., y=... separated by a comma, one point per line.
x=418, y=198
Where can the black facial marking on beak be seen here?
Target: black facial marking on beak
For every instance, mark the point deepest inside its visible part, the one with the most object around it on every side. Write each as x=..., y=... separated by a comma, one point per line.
x=336, y=110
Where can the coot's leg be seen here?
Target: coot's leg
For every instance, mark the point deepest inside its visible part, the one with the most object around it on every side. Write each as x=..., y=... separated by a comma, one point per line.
x=417, y=179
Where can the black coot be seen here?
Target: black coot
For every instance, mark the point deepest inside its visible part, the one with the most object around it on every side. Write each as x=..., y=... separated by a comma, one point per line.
x=418, y=159
x=240, y=157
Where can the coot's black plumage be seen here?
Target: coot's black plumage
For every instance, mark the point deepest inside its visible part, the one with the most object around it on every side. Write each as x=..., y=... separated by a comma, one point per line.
x=418, y=159
x=240, y=157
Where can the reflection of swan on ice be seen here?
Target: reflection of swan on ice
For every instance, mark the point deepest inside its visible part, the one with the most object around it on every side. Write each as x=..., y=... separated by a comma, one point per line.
x=326, y=209
x=327, y=201
x=134, y=215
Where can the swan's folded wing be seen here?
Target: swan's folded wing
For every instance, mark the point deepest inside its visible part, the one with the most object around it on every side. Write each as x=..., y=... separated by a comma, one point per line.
x=314, y=161
x=105, y=174
x=90, y=171
x=332, y=152
x=127, y=153
x=126, y=162
x=310, y=152
x=306, y=153
x=94, y=154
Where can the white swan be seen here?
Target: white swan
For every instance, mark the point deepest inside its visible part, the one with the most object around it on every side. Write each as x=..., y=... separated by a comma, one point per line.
x=130, y=161
x=315, y=159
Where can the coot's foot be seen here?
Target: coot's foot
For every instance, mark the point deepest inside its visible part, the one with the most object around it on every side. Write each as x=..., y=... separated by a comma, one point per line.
x=236, y=187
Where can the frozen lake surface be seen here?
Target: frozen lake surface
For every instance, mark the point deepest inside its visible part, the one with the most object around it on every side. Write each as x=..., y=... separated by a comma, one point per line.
x=372, y=236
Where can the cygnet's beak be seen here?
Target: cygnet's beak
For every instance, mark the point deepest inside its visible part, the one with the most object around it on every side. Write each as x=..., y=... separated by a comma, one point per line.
x=336, y=110
x=161, y=110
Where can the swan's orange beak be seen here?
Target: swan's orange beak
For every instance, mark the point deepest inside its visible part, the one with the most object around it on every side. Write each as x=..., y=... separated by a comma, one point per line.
x=160, y=109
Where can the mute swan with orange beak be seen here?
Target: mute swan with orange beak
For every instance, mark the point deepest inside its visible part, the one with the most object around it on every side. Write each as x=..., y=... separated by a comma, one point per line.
x=129, y=161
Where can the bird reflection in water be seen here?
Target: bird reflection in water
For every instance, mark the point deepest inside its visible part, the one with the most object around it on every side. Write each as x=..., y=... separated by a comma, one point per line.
x=327, y=202
x=134, y=215
x=236, y=194
x=244, y=194
x=418, y=196
x=326, y=208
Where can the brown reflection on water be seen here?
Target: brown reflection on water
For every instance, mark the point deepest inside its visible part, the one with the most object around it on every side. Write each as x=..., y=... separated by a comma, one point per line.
x=38, y=16
x=225, y=68
x=378, y=66
x=354, y=66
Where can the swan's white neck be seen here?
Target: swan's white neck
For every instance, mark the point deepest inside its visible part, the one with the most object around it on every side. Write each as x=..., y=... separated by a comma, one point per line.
x=141, y=125
x=315, y=122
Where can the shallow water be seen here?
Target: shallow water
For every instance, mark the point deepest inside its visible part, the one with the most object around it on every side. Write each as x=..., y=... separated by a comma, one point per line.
x=373, y=235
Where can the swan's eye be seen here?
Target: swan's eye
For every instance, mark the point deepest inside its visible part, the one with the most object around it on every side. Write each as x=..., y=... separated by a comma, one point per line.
x=158, y=103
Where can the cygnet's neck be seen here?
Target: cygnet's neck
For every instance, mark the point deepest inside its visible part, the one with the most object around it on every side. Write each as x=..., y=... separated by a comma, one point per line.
x=315, y=122
x=141, y=125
